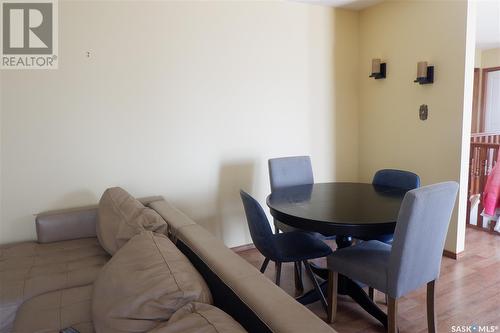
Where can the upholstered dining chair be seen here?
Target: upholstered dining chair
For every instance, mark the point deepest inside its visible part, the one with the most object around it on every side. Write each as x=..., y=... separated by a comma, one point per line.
x=404, y=180
x=284, y=247
x=285, y=172
x=396, y=178
x=414, y=259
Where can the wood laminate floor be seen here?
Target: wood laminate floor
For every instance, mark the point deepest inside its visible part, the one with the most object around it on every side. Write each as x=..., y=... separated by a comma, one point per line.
x=468, y=292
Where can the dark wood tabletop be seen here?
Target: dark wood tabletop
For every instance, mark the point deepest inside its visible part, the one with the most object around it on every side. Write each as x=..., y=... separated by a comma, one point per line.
x=354, y=209
x=345, y=210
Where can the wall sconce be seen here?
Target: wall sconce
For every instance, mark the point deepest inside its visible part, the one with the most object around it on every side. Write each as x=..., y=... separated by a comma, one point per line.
x=378, y=69
x=425, y=74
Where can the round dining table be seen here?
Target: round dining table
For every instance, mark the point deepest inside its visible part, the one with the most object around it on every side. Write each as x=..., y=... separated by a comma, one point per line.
x=345, y=210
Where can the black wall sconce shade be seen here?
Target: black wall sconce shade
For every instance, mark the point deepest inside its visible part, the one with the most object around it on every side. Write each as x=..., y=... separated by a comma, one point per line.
x=429, y=78
x=381, y=74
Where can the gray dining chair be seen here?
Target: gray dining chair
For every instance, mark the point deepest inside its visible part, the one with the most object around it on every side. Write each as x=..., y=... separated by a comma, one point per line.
x=414, y=259
x=286, y=172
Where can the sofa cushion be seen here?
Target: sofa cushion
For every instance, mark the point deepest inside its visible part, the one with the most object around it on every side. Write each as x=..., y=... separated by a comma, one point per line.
x=30, y=269
x=120, y=216
x=143, y=284
x=56, y=310
x=199, y=318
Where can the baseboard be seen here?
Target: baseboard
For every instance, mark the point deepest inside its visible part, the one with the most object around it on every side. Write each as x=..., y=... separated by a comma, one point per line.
x=250, y=246
x=453, y=255
x=489, y=230
x=244, y=247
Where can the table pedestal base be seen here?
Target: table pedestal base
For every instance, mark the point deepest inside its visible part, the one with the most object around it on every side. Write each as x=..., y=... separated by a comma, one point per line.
x=352, y=289
x=346, y=287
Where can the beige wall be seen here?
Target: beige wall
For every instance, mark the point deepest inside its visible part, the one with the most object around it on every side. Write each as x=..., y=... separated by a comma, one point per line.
x=391, y=134
x=477, y=58
x=187, y=100
x=490, y=58
x=2, y=224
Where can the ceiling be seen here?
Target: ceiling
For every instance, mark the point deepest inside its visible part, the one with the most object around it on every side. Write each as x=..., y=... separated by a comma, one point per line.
x=488, y=24
x=348, y=4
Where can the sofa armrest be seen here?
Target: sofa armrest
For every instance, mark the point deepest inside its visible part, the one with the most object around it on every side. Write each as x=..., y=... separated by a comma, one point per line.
x=147, y=201
x=237, y=287
x=74, y=223
x=55, y=226
x=243, y=292
x=174, y=217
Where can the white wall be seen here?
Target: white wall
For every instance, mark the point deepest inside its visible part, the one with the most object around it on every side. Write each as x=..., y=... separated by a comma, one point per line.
x=391, y=134
x=183, y=99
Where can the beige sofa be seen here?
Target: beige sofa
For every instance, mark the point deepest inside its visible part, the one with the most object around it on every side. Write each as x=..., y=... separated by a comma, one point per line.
x=49, y=285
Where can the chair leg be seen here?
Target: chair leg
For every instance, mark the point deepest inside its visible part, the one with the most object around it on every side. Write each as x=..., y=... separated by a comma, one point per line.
x=264, y=265
x=316, y=285
x=299, y=286
x=392, y=314
x=371, y=293
x=278, y=273
x=333, y=280
x=431, y=309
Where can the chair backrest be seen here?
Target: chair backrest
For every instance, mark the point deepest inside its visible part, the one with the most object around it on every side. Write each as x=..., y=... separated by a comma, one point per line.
x=290, y=171
x=260, y=230
x=419, y=237
x=396, y=178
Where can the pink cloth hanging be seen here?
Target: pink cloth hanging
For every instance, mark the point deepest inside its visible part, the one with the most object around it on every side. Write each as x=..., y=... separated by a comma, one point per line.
x=491, y=194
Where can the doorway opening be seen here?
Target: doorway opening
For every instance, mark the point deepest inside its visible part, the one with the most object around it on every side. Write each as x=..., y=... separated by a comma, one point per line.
x=485, y=123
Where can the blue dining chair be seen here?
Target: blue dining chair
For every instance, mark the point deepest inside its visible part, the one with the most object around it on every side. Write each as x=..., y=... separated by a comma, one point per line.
x=284, y=247
x=286, y=172
x=404, y=180
x=396, y=178
x=413, y=260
